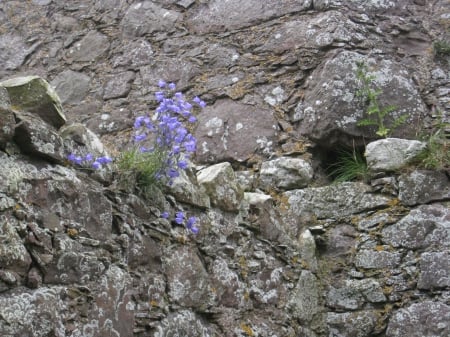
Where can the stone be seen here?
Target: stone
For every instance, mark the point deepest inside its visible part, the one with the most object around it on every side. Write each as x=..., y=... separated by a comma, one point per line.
x=90, y=48
x=229, y=288
x=354, y=294
x=119, y=85
x=146, y=17
x=185, y=323
x=220, y=16
x=334, y=201
x=219, y=182
x=392, y=154
x=434, y=318
x=13, y=254
x=372, y=259
x=285, y=173
x=135, y=54
x=37, y=138
x=434, y=270
x=304, y=301
x=232, y=131
x=187, y=279
x=33, y=94
x=330, y=110
x=13, y=51
x=424, y=226
x=423, y=187
x=7, y=121
x=352, y=324
x=185, y=188
x=307, y=249
x=71, y=86
x=83, y=140
x=32, y=312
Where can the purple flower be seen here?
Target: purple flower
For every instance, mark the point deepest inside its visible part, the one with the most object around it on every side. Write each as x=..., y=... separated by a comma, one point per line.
x=173, y=173
x=192, y=119
x=140, y=137
x=96, y=165
x=182, y=164
x=164, y=215
x=161, y=83
x=104, y=160
x=179, y=217
x=172, y=86
x=159, y=96
x=88, y=157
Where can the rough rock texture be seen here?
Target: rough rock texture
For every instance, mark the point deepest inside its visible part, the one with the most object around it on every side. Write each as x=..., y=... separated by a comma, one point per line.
x=82, y=255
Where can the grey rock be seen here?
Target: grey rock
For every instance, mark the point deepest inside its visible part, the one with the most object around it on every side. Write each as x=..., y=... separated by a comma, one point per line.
x=285, y=173
x=230, y=130
x=13, y=51
x=147, y=17
x=434, y=270
x=304, y=302
x=330, y=110
x=307, y=248
x=83, y=140
x=219, y=182
x=422, y=187
x=218, y=16
x=33, y=94
x=185, y=323
x=425, y=226
x=392, y=154
x=37, y=138
x=187, y=279
x=352, y=324
x=118, y=85
x=371, y=259
x=230, y=289
x=135, y=54
x=13, y=254
x=90, y=48
x=185, y=188
x=7, y=121
x=434, y=318
x=333, y=201
x=354, y=294
x=71, y=86
x=32, y=313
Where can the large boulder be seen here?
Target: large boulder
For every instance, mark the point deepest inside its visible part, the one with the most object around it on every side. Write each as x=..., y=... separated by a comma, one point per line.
x=34, y=94
x=330, y=110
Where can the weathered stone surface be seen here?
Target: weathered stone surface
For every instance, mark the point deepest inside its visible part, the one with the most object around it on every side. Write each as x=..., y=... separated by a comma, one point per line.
x=13, y=254
x=234, y=131
x=354, y=293
x=118, y=85
x=84, y=141
x=285, y=173
x=333, y=201
x=392, y=154
x=218, y=16
x=405, y=321
x=37, y=138
x=147, y=17
x=90, y=48
x=304, y=302
x=307, y=249
x=7, y=121
x=434, y=270
x=185, y=188
x=330, y=110
x=13, y=51
x=219, y=182
x=33, y=94
x=422, y=187
x=352, y=324
x=184, y=323
x=186, y=278
x=71, y=86
x=229, y=289
x=425, y=226
x=32, y=313
x=135, y=54
x=372, y=259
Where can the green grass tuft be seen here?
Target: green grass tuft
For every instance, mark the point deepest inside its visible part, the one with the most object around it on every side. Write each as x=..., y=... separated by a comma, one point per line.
x=350, y=165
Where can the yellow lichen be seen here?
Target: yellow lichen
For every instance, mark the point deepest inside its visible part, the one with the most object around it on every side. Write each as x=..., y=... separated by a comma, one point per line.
x=247, y=329
x=72, y=232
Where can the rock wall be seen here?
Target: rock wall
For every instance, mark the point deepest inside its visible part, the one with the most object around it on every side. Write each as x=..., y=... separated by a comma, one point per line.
x=281, y=251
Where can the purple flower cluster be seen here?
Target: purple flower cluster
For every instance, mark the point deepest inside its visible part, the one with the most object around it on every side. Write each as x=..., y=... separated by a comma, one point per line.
x=166, y=131
x=89, y=160
x=180, y=219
